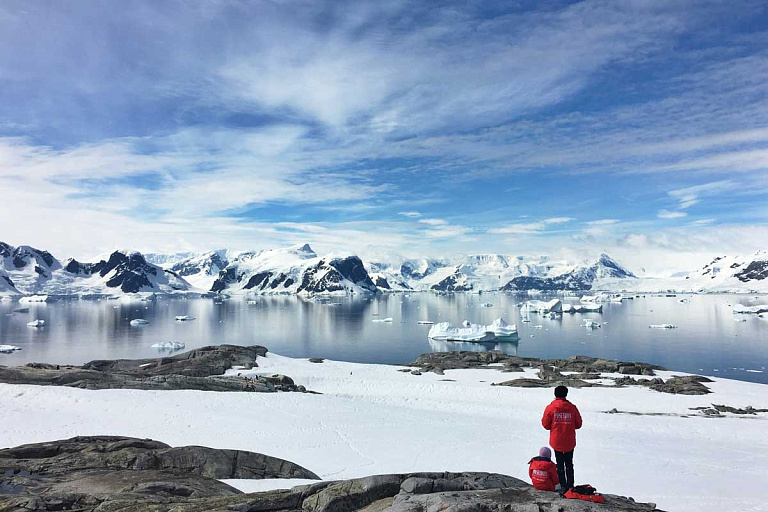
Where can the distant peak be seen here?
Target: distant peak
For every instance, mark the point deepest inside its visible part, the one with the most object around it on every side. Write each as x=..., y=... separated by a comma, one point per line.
x=302, y=248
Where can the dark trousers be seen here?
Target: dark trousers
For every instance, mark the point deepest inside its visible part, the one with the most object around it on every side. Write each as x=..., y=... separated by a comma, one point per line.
x=565, y=468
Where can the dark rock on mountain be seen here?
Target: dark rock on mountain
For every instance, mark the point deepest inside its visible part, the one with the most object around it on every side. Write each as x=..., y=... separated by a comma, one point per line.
x=23, y=256
x=329, y=276
x=201, y=369
x=382, y=284
x=226, y=277
x=755, y=271
x=456, y=282
x=8, y=280
x=112, y=473
x=163, y=490
x=259, y=281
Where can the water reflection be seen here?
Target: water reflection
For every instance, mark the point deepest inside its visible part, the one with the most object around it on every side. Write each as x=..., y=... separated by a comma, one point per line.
x=707, y=337
x=509, y=348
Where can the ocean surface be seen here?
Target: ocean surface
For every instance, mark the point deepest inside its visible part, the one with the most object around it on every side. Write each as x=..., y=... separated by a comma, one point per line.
x=708, y=339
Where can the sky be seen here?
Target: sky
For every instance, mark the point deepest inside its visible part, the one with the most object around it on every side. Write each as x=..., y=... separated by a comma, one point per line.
x=637, y=128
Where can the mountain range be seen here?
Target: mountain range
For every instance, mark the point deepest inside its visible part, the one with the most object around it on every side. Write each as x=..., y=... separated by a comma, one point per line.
x=25, y=270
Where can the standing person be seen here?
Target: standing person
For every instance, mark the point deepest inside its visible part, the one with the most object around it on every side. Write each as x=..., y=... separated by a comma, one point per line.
x=562, y=418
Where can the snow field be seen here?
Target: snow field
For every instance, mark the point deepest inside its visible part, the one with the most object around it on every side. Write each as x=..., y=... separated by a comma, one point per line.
x=373, y=419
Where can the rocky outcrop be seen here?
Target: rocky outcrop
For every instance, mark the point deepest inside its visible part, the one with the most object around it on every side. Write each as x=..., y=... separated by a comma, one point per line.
x=201, y=369
x=111, y=473
x=107, y=474
x=574, y=372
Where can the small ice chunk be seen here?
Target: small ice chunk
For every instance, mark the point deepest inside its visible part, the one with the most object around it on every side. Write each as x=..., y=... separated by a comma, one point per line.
x=591, y=324
x=34, y=298
x=662, y=326
x=382, y=320
x=139, y=321
x=36, y=323
x=486, y=305
x=184, y=318
x=425, y=322
x=169, y=345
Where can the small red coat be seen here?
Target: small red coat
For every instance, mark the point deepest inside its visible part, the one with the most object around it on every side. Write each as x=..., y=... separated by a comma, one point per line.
x=543, y=473
x=561, y=418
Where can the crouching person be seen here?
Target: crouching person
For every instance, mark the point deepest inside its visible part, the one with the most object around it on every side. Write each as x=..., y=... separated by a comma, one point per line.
x=543, y=471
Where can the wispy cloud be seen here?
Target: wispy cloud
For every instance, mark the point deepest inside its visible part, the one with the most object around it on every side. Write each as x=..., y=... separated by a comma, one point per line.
x=666, y=214
x=529, y=227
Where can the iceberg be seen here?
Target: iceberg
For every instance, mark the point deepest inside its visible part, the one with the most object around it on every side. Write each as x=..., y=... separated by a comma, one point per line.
x=7, y=349
x=662, y=326
x=139, y=321
x=538, y=306
x=36, y=323
x=754, y=310
x=502, y=329
x=169, y=345
x=475, y=333
x=498, y=330
x=184, y=318
x=34, y=298
x=591, y=324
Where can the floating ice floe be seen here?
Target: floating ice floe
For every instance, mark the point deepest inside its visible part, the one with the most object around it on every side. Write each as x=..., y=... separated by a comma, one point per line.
x=754, y=310
x=425, y=322
x=36, y=323
x=603, y=297
x=34, y=298
x=169, y=345
x=251, y=302
x=582, y=308
x=184, y=318
x=7, y=349
x=591, y=324
x=139, y=321
x=486, y=305
x=498, y=330
x=382, y=320
x=662, y=326
x=538, y=306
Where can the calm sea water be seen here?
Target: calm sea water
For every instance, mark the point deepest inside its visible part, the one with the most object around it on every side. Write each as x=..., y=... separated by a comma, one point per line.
x=707, y=340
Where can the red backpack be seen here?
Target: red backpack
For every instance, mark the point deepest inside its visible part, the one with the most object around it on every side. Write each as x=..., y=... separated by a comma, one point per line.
x=584, y=492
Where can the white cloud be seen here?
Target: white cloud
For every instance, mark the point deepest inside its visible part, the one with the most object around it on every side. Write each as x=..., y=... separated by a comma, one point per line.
x=666, y=214
x=410, y=214
x=529, y=227
x=602, y=222
x=433, y=222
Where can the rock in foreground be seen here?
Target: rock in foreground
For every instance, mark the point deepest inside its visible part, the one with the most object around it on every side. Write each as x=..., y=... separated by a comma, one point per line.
x=110, y=474
x=201, y=369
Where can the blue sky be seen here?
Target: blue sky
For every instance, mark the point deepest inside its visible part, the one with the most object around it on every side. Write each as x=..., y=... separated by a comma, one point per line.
x=639, y=128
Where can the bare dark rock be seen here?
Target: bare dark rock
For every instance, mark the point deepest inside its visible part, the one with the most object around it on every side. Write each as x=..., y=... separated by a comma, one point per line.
x=111, y=474
x=201, y=369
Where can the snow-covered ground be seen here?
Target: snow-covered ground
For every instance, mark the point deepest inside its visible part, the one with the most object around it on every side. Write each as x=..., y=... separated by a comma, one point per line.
x=375, y=419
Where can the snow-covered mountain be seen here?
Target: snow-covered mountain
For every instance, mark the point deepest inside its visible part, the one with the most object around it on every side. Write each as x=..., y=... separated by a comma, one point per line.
x=128, y=272
x=28, y=271
x=487, y=272
x=199, y=270
x=296, y=269
x=25, y=270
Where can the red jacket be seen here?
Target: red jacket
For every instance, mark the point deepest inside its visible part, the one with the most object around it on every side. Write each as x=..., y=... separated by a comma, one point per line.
x=561, y=418
x=543, y=473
